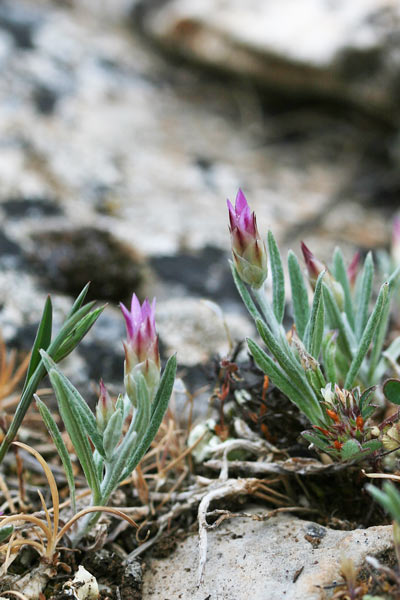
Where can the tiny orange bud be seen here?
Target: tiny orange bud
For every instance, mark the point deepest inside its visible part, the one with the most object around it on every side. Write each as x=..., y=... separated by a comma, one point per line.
x=360, y=423
x=333, y=415
x=337, y=445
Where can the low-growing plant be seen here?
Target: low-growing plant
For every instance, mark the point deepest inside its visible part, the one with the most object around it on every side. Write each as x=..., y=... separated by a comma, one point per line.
x=334, y=353
x=120, y=432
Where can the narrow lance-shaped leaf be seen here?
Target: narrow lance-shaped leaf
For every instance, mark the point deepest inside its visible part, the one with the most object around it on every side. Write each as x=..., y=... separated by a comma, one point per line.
x=112, y=433
x=79, y=300
x=379, y=340
x=328, y=355
x=389, y=498
x=367, y=337
x=365, y=291
x=307, y=404
x=76, y=432
x=31, y=385
x=301, y=308
x=159, y=407
x=61, y=448
x=42, y=340
x=278, y=278
x=315, y=326
x=336, y=322
x=340, y=273
x=87, y=418
x=78, y=333
x=288, y=362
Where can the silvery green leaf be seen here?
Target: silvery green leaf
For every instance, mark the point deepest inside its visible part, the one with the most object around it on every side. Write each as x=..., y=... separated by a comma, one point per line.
x=76, y=431
x=308, y=404
x=159, y=407
x=335, y=320
x=301, y=308
x=367, y=336
x=61, y=448
x=379, y=340
x=365, y=290
x=388, y=497
x=86, y=416
x=315, y=326
x=329, y=356
x=112, y=433
x=278, y=278
x=340, y=274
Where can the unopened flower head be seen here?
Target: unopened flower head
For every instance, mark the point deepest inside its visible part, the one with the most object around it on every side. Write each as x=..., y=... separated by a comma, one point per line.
x=315, y=267
x=141, y=348
x=248, y=249
x=104, y=409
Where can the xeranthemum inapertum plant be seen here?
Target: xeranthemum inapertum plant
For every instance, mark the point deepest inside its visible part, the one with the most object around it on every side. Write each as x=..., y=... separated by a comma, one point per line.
x=334, y=355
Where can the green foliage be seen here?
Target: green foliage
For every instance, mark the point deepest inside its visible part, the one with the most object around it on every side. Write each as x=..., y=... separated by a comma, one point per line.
x=77, y=324
x=337, y=340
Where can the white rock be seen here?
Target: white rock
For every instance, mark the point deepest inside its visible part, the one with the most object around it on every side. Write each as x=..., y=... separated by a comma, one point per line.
x=84, y=585
x=310, y=45
x=284, y=558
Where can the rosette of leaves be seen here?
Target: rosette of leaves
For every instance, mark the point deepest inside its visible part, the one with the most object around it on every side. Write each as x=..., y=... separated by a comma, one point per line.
x=347, y=433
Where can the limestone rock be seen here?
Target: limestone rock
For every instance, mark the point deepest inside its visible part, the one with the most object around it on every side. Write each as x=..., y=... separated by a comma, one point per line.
x=339, y=50
x=284, y=558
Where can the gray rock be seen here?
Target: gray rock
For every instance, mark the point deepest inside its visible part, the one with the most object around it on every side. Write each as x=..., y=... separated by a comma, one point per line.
x=284, y=558
x=316, y=48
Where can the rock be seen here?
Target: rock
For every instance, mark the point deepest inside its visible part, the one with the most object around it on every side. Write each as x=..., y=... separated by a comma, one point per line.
x=324, y=49
x=283, y=558
x=193, y=329
x=67, y=259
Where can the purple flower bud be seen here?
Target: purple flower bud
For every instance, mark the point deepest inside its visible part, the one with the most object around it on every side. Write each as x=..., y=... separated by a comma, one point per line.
x=396, y=241
x=248, y=249
x=141, y=347
x=315, y=267
x=105, y=408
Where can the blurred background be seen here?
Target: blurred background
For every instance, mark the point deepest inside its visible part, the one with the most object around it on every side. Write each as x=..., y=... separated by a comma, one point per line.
x=125, y=125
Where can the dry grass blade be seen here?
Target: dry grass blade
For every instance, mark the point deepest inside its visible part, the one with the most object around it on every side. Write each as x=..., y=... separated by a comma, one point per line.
x=10, y=375
x=19, y=595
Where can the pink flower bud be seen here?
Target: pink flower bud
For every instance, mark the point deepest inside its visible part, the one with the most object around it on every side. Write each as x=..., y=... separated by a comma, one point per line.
x=104, y=408
x=315, y=267
x=141, y=347
x=248, y=249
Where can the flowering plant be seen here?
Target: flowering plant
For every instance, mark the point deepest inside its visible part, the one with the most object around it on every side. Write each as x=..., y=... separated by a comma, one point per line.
x=120, y=432
x=336, y=341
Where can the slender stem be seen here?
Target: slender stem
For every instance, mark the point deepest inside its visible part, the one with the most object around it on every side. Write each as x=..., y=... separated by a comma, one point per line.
x=267, y=311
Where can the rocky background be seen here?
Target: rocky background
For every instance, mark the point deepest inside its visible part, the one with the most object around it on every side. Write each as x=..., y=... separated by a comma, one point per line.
x=125, y=125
